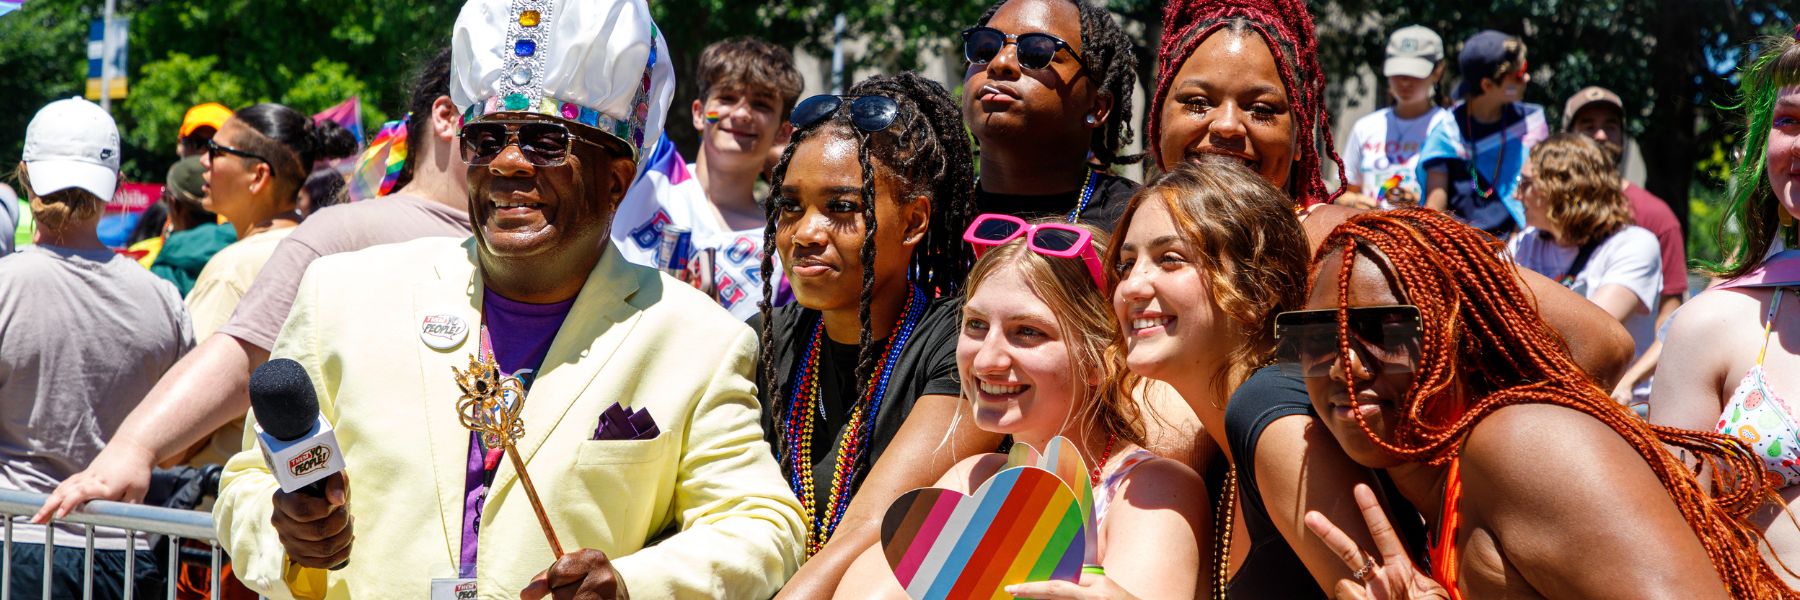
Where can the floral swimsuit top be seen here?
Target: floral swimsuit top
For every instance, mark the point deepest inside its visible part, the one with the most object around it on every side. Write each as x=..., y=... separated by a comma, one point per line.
x=1762, y=419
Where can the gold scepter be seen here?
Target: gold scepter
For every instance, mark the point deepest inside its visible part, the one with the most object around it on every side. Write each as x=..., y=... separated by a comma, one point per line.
x=486, y=409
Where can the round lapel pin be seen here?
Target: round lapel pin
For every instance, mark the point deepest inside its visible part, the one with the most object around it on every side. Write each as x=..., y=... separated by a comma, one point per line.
x=443, y=331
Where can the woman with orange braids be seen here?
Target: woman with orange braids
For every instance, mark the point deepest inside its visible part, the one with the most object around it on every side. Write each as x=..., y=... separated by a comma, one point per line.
x=1241, y=80
x=1427, y=360
x=1729, y=362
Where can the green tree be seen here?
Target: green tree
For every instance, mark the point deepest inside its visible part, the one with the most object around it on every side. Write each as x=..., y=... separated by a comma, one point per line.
x=1671, y=61
x=45, y=59
x=309, y=54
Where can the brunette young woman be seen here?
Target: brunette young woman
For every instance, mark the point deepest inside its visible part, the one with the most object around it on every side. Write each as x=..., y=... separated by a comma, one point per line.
x=1242, y=80
x=1729, y=363
x=872, y=197
x=1035, y=364
x=1427, y=360
x=255, y=167
x=1047, y=96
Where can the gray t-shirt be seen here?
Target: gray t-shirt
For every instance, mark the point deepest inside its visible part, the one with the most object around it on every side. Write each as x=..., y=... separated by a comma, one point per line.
x=84, y=335
x=339, y=228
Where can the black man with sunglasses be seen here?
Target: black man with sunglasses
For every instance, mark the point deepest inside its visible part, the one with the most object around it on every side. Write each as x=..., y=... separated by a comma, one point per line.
x=636, y=416
x=1048, y=96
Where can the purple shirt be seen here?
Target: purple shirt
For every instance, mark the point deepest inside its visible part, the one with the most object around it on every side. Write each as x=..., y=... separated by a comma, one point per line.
x=520, y=335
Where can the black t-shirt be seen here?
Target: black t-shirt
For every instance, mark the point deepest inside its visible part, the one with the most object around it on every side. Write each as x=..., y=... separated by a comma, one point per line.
x=1104, y=209
x=927, y=366
x=1272, y=569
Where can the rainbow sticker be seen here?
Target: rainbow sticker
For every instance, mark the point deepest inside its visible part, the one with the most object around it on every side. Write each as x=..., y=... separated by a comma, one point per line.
x=1021, y=525
x=1387, y=186
x=713, y=116
x=1062, y=459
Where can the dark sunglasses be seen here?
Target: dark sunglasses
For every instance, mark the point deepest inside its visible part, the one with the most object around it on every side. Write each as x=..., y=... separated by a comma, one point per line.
x=214, y=149
x=543, y=143
x=1307, y=340
x=867, y=113
x=1049, y=239
x=1035, y=50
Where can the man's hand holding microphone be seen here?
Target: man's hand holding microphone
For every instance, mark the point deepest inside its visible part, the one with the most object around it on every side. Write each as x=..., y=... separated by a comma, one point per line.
x=312, y=508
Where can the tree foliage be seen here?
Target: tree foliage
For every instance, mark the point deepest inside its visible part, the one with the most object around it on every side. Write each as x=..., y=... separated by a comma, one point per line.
x=1671, y=61
x=308, y=54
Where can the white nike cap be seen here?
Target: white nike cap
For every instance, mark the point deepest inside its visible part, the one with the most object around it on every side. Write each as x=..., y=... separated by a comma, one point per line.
x=73, y=143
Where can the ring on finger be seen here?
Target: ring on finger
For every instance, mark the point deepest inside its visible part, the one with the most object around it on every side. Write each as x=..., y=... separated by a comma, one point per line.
x=1367, y=569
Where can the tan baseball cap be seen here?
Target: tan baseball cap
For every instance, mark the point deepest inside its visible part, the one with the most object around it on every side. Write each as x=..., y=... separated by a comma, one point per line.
x=1588, y=96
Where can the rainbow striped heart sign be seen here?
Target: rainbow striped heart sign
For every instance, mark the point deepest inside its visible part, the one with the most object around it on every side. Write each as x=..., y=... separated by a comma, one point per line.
x=1062, y=458
x=1022, y=525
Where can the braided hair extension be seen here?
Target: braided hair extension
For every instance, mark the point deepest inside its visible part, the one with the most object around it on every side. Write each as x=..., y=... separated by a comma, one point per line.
x=1287, y=27
x=1484, y=347
x=1108, y=51
x=926, y=150
x=1751, y=207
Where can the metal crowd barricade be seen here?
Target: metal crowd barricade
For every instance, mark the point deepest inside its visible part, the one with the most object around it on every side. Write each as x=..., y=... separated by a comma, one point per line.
x=135, y=519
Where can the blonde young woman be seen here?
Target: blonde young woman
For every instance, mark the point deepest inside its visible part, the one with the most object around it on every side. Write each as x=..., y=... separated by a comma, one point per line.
x=1034, y=364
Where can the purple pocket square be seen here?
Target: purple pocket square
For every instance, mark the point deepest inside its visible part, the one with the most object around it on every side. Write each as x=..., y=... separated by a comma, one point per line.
x=620, y=423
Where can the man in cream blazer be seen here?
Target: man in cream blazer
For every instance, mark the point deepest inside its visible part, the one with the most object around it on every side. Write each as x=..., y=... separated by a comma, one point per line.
x=379, y=332
x=634, y=337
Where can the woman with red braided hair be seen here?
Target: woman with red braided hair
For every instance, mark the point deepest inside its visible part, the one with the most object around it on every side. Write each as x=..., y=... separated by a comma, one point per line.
x=1423, y=352
x=1241, y=80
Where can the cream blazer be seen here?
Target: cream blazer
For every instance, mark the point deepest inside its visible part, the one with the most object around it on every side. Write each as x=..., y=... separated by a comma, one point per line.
x=634, y=336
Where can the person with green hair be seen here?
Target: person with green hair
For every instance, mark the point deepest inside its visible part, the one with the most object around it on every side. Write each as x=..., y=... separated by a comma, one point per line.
x=1730, y=360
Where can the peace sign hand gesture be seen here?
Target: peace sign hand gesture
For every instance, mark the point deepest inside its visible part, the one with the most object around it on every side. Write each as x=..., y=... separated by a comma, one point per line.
x=1392, y=575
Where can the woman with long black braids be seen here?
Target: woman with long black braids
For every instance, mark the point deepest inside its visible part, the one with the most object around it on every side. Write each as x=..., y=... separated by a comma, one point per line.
x=871, y=199
x=1047, y=96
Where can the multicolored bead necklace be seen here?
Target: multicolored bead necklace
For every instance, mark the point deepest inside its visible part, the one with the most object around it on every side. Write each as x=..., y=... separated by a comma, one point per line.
x=804, y=406
x=1087, y=193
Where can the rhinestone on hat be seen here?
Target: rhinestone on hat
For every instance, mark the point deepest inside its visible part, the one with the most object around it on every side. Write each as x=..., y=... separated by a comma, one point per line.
x=526, y=33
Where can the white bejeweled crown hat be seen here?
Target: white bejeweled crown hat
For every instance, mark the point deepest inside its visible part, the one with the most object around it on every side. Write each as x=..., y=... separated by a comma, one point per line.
x=600, y=63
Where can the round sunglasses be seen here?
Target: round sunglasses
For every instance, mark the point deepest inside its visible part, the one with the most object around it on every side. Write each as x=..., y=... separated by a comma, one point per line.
x=543, y=143
x=1036, y=50
x=867, y=113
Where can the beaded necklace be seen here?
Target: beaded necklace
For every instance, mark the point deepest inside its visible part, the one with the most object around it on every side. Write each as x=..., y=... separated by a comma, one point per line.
x=1224, y=518
x=1487, y=192
x=1087, y=193
x=804, y=407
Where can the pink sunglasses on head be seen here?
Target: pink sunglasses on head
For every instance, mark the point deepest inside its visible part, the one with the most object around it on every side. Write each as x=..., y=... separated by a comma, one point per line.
x=1049, y=239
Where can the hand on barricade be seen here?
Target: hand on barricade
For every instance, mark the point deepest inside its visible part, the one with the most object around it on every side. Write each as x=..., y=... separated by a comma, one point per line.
x=584, y=574
x=120, y=473
x=315, y=531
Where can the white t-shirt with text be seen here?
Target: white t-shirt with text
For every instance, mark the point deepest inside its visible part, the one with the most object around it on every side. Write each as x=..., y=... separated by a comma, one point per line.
x=1382, y=145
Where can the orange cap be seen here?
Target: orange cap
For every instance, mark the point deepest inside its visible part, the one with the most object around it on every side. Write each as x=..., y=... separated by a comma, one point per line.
x=211, y=114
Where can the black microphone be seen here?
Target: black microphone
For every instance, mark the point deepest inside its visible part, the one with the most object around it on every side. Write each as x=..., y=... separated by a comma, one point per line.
x=300, y=447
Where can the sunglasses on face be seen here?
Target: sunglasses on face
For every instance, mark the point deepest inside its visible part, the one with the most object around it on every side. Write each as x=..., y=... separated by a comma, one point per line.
x=1049, y=239
x=1307, y=340
x=214, y=149
x=544, y=144
x=1035, y=50
x=867, y=113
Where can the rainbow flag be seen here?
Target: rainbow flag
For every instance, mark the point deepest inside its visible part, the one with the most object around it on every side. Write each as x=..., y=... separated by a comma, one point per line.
x=378, y=168
x=347, y=113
